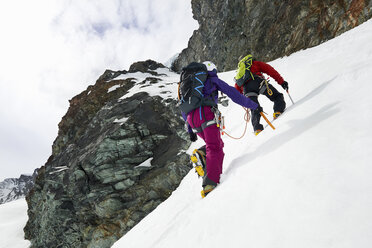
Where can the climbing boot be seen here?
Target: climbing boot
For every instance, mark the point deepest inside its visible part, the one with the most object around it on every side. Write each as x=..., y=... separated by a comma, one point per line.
x=256, y=132
x=276, y=115
x=206, y=190
x=199, y=161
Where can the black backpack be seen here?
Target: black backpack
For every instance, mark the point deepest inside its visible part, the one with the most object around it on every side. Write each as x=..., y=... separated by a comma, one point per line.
x=190, y=88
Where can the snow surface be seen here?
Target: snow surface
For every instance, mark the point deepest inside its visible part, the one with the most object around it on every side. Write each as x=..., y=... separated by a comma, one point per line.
x=13, y=217
x=305, y=184
x=121, y=121
x=166, y=88
x=146, y=163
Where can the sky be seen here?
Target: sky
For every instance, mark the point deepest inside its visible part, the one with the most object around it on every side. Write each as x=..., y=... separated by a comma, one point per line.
x=51, y=50
x=305, y=184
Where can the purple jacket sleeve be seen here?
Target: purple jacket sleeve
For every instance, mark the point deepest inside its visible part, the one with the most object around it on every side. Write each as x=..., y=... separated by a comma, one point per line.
x=234, y=94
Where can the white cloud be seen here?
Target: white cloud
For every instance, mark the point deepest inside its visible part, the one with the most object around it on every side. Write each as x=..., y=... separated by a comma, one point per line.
x=51, y=50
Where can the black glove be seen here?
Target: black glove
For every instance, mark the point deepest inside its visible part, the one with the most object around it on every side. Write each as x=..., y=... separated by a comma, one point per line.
x=193, y=137
x=285, y=85
x=259, y=109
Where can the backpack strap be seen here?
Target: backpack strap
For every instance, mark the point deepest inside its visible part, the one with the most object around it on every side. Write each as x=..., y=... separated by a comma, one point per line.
x=251, y=94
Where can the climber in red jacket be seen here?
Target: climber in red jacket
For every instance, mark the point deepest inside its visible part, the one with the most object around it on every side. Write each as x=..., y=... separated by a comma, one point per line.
x=251, y=82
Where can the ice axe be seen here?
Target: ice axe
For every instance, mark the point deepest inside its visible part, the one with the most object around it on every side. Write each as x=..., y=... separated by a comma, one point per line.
x=267, y=120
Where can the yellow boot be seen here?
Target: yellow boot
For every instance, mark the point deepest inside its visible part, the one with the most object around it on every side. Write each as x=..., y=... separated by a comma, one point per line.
x=257, y=132
x=199, y=161
x=276, y=115
x=206, y=190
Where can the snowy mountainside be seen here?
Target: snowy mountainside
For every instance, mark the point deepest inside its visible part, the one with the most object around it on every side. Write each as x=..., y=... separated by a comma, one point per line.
x=305, y=184
x=165, y=88
x=119, y=153
x=14, y=188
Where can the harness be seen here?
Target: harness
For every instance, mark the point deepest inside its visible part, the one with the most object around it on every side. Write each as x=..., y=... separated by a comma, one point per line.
x=204, y=125
x=264, y=85
x=220, y=122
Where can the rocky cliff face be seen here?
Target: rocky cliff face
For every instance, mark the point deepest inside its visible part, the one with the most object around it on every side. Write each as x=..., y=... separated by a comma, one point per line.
x=117, y=156
x=267, y=29
x=15, y=188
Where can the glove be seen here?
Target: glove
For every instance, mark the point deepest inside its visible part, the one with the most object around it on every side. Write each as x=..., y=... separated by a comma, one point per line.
x=285, y=85
x=259, y=109
x=193, y=137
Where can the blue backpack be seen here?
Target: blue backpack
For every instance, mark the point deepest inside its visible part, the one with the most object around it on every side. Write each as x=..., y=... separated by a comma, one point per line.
x=190, y=88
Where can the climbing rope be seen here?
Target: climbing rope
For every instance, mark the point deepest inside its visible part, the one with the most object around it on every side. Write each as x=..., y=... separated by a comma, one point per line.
x=247, y=118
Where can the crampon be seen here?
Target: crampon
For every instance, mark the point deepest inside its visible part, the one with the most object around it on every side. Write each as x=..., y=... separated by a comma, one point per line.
x=198, y=160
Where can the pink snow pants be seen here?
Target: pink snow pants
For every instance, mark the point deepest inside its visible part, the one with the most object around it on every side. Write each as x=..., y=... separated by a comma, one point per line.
x=212, y=137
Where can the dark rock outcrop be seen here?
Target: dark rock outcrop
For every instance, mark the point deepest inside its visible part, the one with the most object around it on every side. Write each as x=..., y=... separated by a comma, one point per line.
x=115, y=159
x=267, y=29
x=15, y=188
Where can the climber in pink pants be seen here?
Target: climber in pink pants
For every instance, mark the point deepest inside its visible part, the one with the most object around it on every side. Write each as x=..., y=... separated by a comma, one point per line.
x=200, y=115
x=214, y=144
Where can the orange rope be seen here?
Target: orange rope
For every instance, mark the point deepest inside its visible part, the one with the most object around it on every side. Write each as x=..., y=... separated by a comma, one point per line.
x=247, y=118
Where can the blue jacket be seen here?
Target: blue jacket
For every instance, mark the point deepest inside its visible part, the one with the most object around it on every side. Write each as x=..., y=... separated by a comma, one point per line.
x=213, y=83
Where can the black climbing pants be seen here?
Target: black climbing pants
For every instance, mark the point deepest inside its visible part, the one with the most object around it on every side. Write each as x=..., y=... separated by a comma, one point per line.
x=253, y=89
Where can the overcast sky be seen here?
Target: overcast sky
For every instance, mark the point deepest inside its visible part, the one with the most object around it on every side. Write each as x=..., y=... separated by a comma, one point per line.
x=51, y=50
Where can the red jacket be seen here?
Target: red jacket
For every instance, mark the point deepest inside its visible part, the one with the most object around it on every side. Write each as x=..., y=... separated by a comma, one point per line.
x=258, y=68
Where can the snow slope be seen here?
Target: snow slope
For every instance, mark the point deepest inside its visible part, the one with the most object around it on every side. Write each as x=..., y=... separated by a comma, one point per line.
x=305, y=184
x=13, y=217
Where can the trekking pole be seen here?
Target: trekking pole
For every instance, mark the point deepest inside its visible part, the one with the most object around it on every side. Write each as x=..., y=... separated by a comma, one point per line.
x=268, y=122
x=290, y=97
